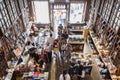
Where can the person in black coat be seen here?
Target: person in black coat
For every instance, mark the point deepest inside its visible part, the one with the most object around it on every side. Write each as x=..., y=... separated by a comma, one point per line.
x=65, y=35
x=79, y=70
x=60, y=26
x=71, y=70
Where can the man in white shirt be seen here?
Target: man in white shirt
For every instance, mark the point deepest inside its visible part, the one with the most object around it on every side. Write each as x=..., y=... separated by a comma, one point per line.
x=50, y=40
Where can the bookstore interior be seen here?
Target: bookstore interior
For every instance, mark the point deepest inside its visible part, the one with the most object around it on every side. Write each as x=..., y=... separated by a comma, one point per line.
x=59, y=39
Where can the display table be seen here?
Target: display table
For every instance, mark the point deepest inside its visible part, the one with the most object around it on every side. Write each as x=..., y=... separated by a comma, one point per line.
x=31, y=75
x=82, y=57
x=86, y=61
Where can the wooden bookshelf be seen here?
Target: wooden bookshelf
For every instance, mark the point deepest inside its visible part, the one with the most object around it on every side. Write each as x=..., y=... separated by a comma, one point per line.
x=107, y=25
x=13, y=22
x=76, y=38
x=104, y=55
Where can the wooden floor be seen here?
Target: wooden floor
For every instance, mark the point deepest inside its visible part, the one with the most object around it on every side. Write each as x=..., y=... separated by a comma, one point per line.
x=56, y=68
x=53, y=69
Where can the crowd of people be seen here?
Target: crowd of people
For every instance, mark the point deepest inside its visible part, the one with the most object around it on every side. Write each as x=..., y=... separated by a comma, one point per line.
x=62, y=51
x=75, y=70
x=58, y=47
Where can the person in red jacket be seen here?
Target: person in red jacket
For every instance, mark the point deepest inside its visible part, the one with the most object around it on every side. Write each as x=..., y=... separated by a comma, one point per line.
x=32, y=27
